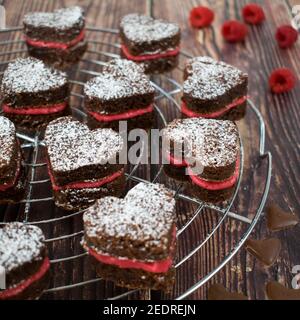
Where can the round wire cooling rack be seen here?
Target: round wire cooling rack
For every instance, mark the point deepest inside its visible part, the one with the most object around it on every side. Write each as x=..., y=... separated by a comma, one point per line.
x=74, y=278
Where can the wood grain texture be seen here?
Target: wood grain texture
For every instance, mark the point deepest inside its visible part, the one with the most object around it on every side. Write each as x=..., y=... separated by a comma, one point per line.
x=258, y=56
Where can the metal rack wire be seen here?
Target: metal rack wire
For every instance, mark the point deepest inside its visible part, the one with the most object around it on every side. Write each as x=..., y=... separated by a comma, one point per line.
x=89, y=67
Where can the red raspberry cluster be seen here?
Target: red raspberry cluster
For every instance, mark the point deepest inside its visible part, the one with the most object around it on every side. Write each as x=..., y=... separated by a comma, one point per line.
x=282, y=79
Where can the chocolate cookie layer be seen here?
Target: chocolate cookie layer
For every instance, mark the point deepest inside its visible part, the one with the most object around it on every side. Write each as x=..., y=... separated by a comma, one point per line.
x=78, y=199
x=22, y=254
x=139, y=228
x=151, y=42
x=211, y=86
x=56, y=37
x=12, y=175
x=33, y=93
x=135, y=278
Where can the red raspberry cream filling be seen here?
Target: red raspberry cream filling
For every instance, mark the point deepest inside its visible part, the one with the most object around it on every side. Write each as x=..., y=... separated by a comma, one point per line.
x=235, y=103
x=37, y=110
x=55, y=45
x=160, y=266
x=14, y=291
x=168, y=53
x=85, y=184
x=11, y=184
x=208, y=184
x=121, y=116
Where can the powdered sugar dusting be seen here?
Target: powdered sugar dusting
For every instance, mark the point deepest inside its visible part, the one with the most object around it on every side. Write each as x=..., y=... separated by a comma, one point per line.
x=147, y=213
x=19, y=244
x=31, y=75
x=212, y=142
x=209, y=79
x=120, y=79
x=72, y=145
x=140, y=28
x=64, y=18
x=7, y=140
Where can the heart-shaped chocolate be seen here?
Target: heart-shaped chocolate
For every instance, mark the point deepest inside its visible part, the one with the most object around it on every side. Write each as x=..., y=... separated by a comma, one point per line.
x=8, y=143
x=208, y=142
x=208, y=79
x=20, y=244
x=145, y=217
x=30, y=76
x=71, y=145
x=276, y=291
x=277, y=219
x=120, y=79
x=144, y=29
x=59, y=19
x=218, y=292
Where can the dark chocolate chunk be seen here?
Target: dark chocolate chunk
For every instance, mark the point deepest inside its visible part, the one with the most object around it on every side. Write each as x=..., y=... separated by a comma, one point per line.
x=277, y=219
x=218, y=292
x=266, y=250
x=276, y=291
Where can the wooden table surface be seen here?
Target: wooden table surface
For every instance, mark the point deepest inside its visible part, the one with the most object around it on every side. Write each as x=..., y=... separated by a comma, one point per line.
x=258, y=56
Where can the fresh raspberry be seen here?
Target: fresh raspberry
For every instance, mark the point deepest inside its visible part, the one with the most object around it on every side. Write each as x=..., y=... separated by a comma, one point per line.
x=282, y=80
x=253, y=13
x=201, y=17
x=286, y=36
x=234, y=31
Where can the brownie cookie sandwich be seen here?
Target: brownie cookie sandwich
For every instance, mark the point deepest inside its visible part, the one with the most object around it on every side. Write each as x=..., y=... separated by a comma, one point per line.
x=23, y=255
x=213, y=89
x=152, y=42
x=12, y=173
x=56, y=37
x=206, y=153
x=83, y=164
x=132, y=240
x=121, y=93
x=33, y=94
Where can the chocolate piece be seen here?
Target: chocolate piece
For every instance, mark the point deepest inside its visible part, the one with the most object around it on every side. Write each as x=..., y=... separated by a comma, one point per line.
x=208, y=145
x=266, y=250
x=140, y=228
x=150, y=41
x=276, y=291
x=210, y=86
x=23, y=254
x=12, y=177
x=56, y=37
x=278, y=220
x=218, y=292
x=79, y=159
x=121, y=89
x=29, y=86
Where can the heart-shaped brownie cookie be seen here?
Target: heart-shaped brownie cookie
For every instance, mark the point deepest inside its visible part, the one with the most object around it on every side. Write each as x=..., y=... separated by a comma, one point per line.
x=71, y=145
x=8, y=144
x=144, y=29
x=26, y=77
x=20, y=244
x=61, y=19
x=209, y=79
x=120, y=79
x=213, y=143
x=144, y=217
x=23, y=255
